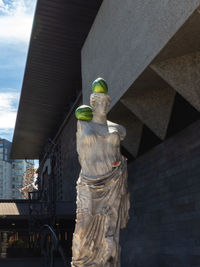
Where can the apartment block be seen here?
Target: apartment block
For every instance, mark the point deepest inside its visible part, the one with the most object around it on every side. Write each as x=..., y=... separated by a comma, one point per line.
x=11, y=172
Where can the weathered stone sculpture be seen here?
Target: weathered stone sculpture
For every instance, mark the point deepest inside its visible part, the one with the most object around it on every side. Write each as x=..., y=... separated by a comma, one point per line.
x=102, y=198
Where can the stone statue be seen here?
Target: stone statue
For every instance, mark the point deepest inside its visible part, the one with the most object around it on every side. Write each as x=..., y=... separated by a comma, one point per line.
x=102, y=197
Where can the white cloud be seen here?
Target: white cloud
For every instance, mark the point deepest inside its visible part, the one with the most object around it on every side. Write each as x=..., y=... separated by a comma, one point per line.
x=3, y=7
x=8, y=110
x=15, y=29
x=16, y=20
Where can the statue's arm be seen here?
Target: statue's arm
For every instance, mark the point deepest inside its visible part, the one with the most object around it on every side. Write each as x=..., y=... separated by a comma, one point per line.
x=81, y=131
x=117, y=128
x=122, y=132
x=78, y=135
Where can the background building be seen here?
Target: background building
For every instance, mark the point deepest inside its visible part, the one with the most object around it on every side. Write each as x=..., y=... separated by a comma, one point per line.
x=5, y=169
x=11, y=172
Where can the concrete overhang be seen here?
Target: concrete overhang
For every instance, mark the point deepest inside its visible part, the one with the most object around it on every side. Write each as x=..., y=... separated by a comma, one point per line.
x=149, y=54
x=21, y=208
x=52, y=78
x=127, y=36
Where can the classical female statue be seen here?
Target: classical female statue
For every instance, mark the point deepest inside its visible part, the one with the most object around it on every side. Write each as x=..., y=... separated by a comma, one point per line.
x=102, y=197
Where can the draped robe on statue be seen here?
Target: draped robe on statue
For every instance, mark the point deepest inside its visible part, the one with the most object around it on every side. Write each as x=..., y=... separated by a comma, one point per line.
x=102, y=200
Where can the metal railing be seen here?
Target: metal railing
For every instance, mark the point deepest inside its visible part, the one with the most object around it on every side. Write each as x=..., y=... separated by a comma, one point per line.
x=49, y=242
x=49, y=245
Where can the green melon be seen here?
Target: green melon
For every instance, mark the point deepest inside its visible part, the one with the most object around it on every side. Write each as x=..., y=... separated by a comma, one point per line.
x=100, y=86
x=84, y=113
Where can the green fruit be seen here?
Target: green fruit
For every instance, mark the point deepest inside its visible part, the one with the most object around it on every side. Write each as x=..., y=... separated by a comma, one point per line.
x=100, y=86
x=84, y=113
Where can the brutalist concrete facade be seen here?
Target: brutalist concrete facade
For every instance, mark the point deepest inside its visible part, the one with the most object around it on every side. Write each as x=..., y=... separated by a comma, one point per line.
x=148, y=51
x=125, y=38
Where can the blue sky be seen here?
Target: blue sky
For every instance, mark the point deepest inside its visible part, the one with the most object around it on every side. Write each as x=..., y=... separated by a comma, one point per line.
x=16, y=17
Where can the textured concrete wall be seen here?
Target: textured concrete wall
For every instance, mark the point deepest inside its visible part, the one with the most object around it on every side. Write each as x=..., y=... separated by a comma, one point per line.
x=67, y=167
x=125, y=38
x=70, y=167
x=163, y=230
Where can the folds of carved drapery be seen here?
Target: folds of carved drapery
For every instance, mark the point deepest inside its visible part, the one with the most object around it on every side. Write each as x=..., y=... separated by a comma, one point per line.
x=102, y=209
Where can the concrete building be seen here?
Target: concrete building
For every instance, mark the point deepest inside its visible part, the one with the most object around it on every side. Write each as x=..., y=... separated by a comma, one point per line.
x=11, y=172
x=18, y=170
x=148, y=52
x=5, y=169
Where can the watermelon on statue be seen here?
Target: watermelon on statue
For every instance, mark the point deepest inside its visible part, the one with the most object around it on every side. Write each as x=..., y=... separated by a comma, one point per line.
x=84, y=113
x=100, y=86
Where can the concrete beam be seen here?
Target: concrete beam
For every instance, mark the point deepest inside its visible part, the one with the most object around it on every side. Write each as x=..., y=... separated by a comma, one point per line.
x=153, y=107
x=183, y=74
x=151, y=99
x=121, y=115
x=185, y=41
x=126, y=36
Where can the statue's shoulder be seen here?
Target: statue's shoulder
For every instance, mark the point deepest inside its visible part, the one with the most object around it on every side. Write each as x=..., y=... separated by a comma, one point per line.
x=84, y=127
x=114, y=127
x=82, y=124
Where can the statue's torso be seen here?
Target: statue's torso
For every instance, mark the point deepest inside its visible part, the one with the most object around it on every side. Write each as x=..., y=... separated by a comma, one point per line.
x=98, y=146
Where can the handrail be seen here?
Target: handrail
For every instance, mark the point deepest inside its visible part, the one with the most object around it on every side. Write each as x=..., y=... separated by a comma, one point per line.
x=52, y=233
x=56, y=246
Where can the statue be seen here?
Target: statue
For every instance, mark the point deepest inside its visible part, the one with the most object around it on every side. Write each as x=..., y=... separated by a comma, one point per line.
x=102, y=197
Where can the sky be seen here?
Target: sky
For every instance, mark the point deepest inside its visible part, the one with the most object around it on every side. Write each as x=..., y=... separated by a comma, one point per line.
x=16, y=17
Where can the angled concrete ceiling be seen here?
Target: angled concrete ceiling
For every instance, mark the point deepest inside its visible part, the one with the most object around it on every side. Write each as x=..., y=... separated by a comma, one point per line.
x=176, y=68
x=185, y=41
x=147, y=61
x=128, y=35
x=122, y=115
x=183, y=74
x=151, y=100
